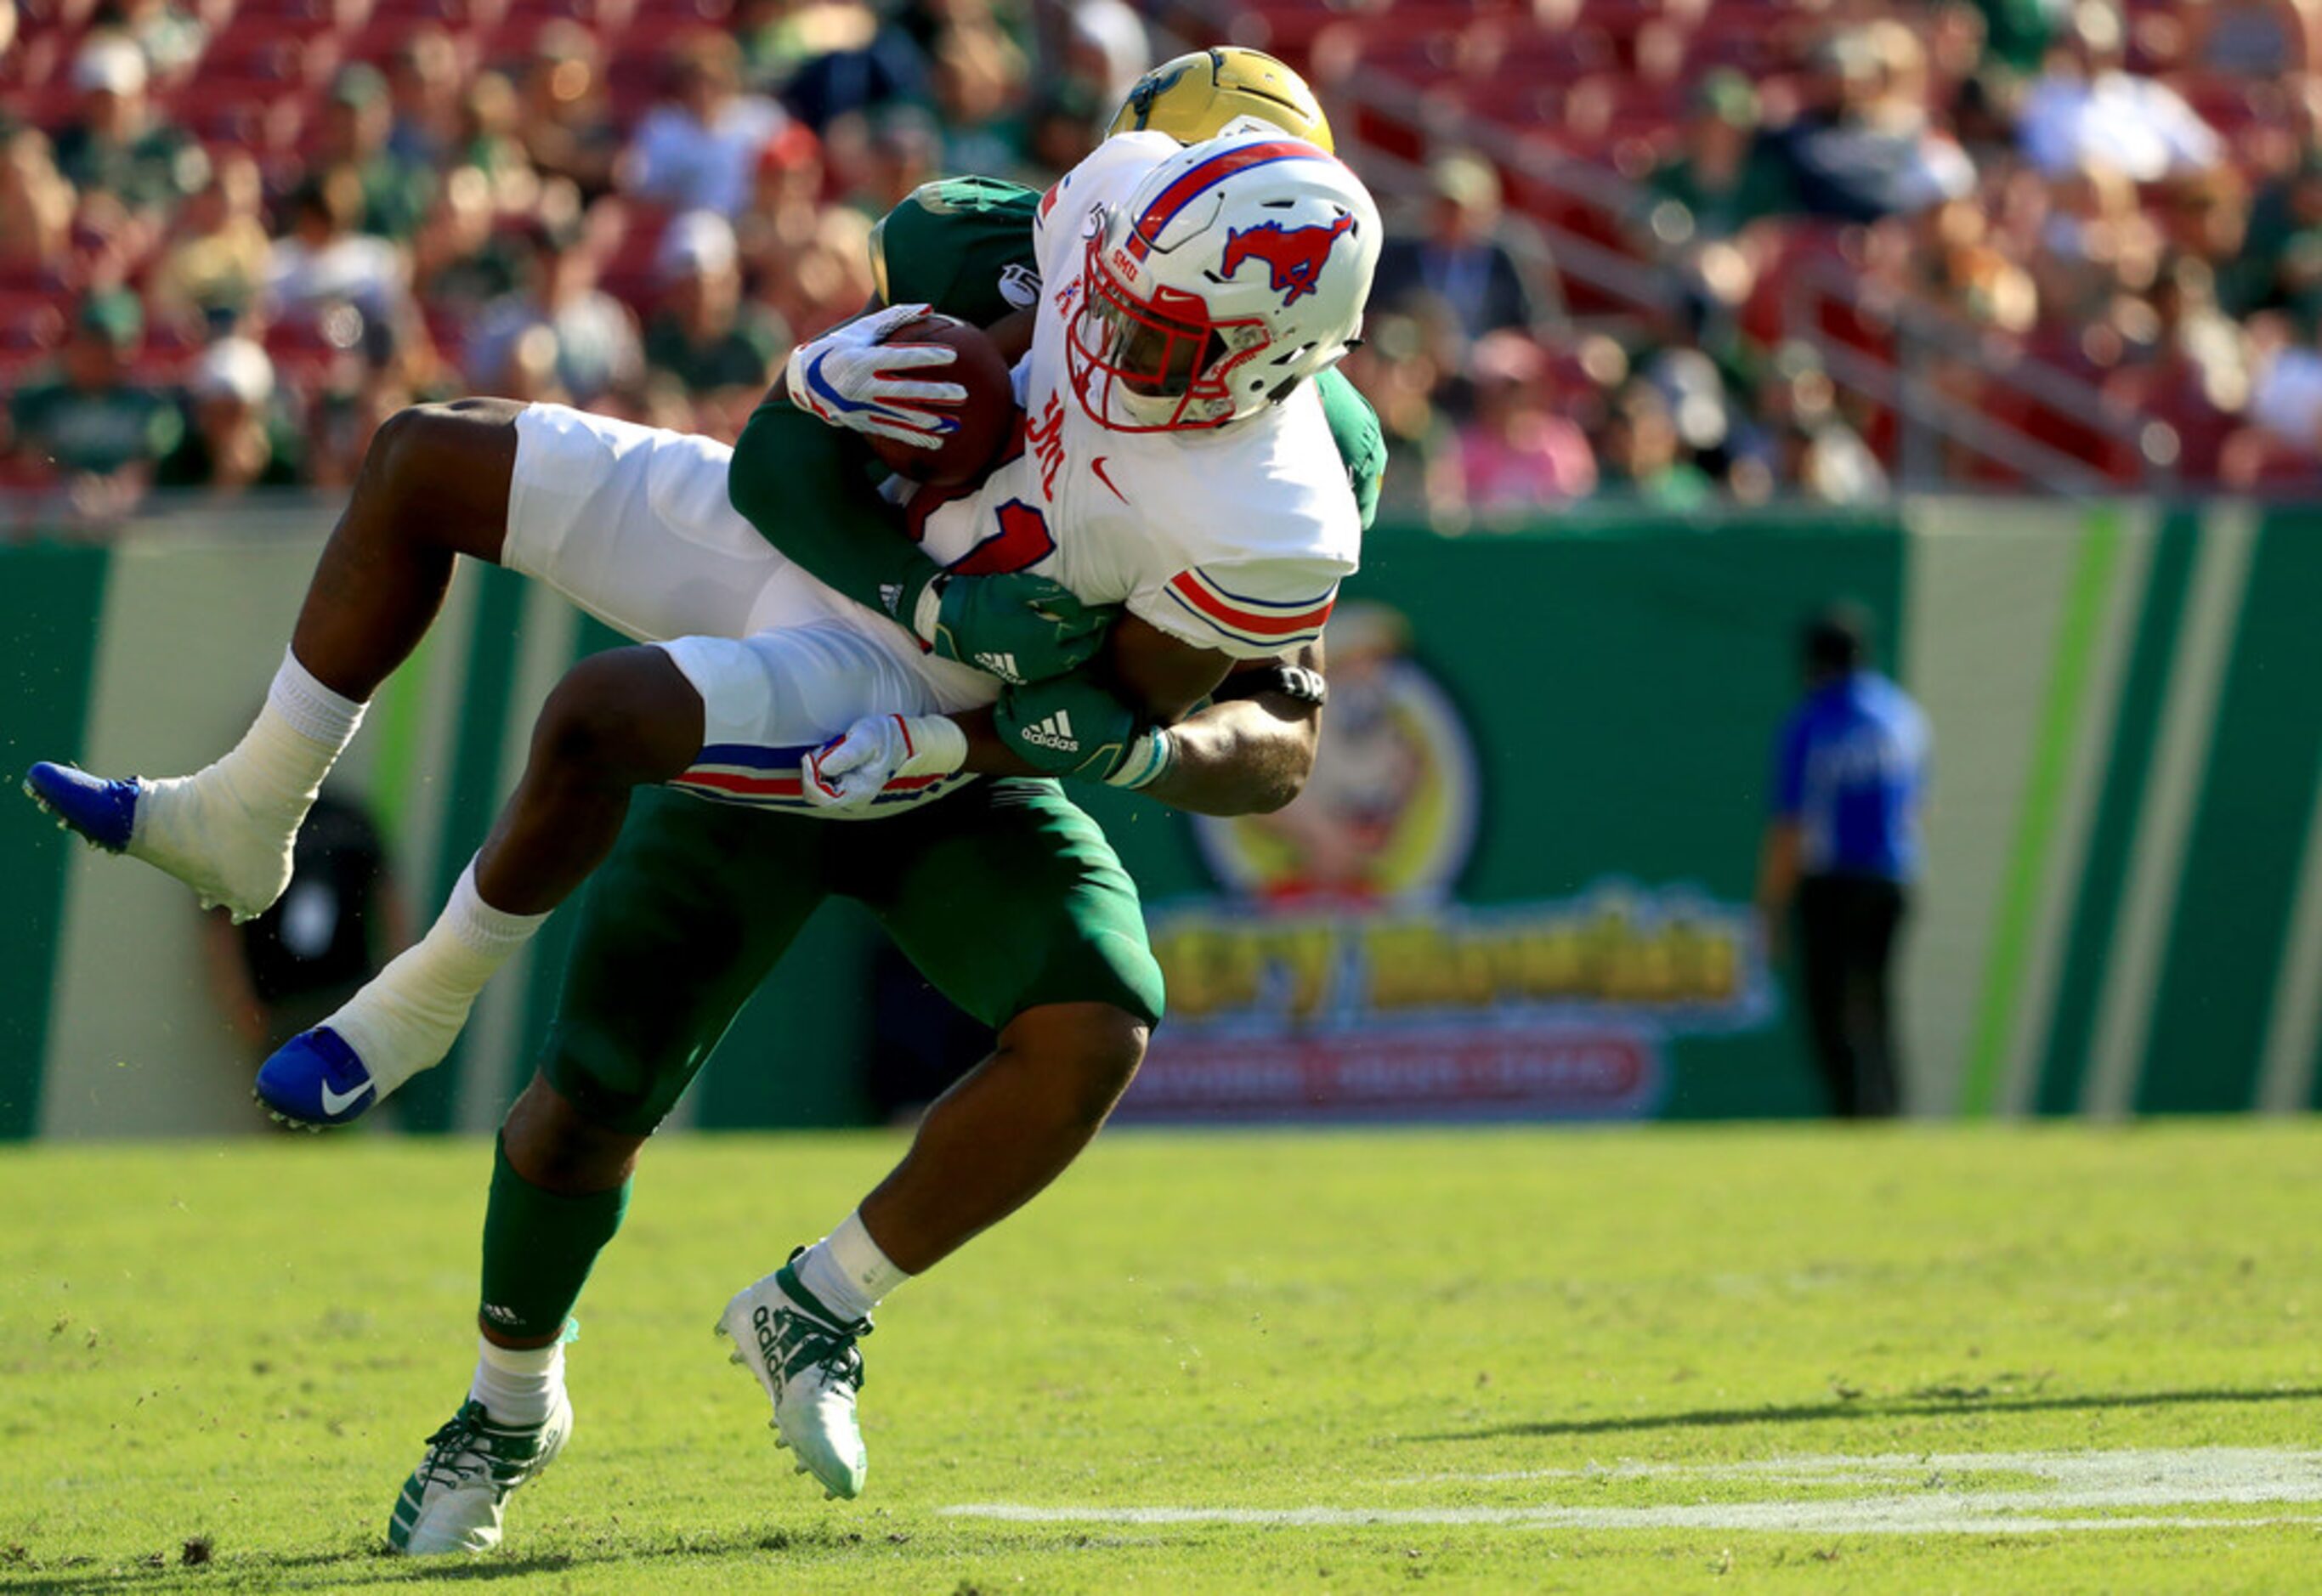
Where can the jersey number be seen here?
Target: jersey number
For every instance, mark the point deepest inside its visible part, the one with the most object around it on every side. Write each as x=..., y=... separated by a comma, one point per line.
x=1022, y=541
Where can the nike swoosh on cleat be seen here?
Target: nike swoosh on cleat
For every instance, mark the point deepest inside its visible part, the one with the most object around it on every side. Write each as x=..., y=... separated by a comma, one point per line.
x=333, y=1102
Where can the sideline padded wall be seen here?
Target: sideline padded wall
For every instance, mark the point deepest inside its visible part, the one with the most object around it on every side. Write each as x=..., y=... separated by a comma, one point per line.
x=150, y=657
x=2123, y=914
x=2124, y=903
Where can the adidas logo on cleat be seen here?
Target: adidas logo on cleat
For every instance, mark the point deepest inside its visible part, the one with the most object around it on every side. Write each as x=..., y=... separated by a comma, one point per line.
x=1054, y=732
x=769, y=1347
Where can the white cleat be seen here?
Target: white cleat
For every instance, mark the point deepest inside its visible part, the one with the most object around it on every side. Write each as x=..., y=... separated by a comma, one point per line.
x=454, y=1499
x=805, y=1361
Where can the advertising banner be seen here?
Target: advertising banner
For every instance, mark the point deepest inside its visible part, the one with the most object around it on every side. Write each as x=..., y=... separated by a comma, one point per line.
x=1517, y=885
x=1518, y=882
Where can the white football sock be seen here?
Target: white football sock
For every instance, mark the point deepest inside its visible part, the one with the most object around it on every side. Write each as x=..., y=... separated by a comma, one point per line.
x=407, y=1017
x=518, y=1386
x=847, y=1271
x=226, y=831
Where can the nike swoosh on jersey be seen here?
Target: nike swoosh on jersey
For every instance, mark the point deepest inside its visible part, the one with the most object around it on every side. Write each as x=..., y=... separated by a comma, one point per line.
x=1097, y=465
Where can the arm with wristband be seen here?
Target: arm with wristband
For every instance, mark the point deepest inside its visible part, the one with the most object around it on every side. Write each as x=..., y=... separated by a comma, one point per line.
x=1248, y=750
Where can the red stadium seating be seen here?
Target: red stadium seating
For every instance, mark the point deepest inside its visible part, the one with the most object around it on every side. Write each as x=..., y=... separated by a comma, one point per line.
x=31, y=322
x=1602, y=82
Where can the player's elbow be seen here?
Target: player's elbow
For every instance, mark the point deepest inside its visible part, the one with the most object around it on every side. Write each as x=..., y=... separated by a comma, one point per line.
x=1281, y=777
x=1267, y=794
x=1258, y=790
x=1280, y=792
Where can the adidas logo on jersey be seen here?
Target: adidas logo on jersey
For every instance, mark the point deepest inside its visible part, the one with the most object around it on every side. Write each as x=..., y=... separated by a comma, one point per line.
x=890, y=595
x=1055, y=732
x=1003, y=666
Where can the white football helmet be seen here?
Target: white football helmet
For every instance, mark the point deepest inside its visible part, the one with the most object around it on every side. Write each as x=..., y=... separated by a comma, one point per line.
x=1238, y=270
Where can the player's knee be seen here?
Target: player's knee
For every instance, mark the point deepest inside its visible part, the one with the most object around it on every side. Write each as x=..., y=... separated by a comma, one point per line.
x=626, y=715
x=387, y=459
x=559, y=1147
x=437, y=474
x=407, y=450
x=1092, y=1048
x=1106, y=1056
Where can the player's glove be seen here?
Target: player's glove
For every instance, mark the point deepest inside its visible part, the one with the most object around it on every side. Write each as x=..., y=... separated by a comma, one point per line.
x=1013, y=624
x=1072, y=726
x=845, y=775
x=850, y=379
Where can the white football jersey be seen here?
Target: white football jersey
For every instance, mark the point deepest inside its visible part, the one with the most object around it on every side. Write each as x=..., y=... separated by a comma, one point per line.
x=1233, y=539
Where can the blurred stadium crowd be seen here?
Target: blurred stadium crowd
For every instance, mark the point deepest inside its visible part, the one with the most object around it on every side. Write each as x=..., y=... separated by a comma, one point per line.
x=1823, y=251
x=1685, y=251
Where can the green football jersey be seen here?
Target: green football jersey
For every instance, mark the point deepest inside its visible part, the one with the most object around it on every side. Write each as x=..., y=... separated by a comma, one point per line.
x=964, y=246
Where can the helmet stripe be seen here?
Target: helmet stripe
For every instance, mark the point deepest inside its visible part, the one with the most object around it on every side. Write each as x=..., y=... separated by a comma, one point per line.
x=1208, y=174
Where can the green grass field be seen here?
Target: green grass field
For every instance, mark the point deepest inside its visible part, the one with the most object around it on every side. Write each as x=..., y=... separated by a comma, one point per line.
x=1653, y=1360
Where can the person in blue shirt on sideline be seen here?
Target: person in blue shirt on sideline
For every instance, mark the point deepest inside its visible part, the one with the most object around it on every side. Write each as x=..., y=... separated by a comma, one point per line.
x=1841, y=850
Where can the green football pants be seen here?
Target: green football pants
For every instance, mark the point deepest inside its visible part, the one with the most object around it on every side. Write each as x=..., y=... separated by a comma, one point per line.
x=1005, y=895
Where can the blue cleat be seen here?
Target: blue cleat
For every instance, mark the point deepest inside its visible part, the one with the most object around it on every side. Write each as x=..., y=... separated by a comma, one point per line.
x=314, y=1079
x=100, y=811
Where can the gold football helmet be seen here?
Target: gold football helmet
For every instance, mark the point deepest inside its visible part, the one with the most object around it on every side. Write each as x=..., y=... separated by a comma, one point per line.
x=1194, y=96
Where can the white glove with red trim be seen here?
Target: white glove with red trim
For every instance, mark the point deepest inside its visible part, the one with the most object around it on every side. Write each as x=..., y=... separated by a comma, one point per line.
x=849, y=377
x=880, y=752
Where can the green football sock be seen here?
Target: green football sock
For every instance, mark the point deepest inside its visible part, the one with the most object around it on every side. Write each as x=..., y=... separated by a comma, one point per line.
x=539, y=1250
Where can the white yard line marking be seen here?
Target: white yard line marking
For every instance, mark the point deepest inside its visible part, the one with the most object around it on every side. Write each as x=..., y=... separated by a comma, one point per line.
x=1907, y=1494
x=1794, y=1518
x=2298, y=1473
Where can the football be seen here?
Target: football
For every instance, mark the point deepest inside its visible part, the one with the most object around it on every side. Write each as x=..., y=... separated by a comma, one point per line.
x=983, y=417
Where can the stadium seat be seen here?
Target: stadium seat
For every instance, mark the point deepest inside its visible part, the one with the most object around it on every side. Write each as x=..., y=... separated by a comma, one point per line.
x=449, y=14
x=701, y=13
x=512, y=38
x=36, y=60
x=634, y=81
x=628, y=273
x=20, y=473
x=1387, y=133
x=246, y=115
x=651, y=32
x=606, y=17
x=31, y=322
x=46, y=105
x=41, y=278
x=267, y=59
x=379, y=38
x=330, y=15
x=447, y=329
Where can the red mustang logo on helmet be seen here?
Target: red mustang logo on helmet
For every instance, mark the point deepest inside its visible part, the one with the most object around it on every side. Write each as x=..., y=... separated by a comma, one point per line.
x=1295, y=257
